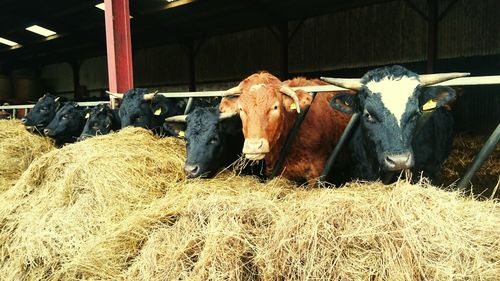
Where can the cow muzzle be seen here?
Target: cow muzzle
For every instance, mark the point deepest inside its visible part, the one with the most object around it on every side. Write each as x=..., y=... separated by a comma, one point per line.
x=397, y=162
x=255, y=149
x=192, y=171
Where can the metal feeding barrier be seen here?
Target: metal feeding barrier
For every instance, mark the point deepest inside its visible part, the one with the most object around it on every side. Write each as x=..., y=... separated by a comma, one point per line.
x=27, y=107
x=478, y=161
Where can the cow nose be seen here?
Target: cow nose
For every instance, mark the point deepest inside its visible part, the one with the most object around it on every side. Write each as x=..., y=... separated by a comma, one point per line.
x=396, y=162
x=256, y=146
x=192, y=171
x=23, y=120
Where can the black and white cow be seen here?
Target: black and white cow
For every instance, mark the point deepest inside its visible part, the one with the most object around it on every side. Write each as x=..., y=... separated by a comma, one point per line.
x=139, y=108
x=44, y=111
x=101, y=120
x=214, y=140
x=67, y=125
x=392, y=135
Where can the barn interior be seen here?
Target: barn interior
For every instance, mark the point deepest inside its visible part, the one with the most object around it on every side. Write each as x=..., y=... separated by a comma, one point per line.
x=201, y=45
x=120, y=206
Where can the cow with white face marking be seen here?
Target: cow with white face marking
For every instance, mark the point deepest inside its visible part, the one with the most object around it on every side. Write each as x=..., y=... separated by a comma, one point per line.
x=392, y=135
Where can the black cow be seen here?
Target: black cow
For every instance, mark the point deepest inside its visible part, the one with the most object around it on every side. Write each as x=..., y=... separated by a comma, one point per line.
x=101, y=120
x=44, y=111
x=146, y=110
x=213, y=141
x=392, y=135
x=67, y=125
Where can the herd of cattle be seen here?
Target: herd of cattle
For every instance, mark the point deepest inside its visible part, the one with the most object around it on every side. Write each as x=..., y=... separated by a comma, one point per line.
x=255, y=118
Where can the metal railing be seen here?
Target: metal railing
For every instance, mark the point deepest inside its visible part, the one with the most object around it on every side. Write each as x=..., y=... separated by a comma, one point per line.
x=313, y=90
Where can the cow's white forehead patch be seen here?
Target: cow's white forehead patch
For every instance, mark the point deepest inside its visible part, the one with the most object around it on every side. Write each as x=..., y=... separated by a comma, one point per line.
x=256, y=87
x=394, y=93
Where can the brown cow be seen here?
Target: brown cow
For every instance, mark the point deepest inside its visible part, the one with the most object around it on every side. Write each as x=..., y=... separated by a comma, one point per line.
x=268, y=109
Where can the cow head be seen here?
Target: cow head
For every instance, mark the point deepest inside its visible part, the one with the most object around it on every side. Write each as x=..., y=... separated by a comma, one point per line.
x=101, y=120
x=391, y=100
x=206, y=135
x=263, y=104
x=146, y=110
x=67, y=124
x=43, y=112
x=135, y=109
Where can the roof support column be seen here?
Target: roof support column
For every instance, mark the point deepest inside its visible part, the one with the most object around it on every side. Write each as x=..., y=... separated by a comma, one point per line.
x=119, y=46
x=283, y=39
x=432, y=35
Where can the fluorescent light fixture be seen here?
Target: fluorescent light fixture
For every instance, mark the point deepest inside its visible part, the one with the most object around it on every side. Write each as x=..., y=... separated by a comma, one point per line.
x=40, y=30
x=170, y=1
x=102, y=7
x=8, y=42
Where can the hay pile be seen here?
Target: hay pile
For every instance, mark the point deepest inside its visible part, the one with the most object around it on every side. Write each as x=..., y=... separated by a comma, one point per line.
x=118, y=207
x=18, y=148
x=465, y=148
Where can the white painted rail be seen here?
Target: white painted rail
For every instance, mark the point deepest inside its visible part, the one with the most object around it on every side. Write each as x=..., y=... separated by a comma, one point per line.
x=464, y=81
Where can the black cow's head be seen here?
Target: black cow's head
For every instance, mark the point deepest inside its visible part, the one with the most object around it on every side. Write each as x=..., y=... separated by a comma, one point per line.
x=390, y=101
x=146, y=110
x=135, y=109
x=43, y=112
x=67, y=125
x=101, y=120
x=206, y=134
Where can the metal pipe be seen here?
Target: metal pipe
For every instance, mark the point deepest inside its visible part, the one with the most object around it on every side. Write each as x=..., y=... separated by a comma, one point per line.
x=188, y=106
x=290, y=138
x=478, y=161
x=343, y=138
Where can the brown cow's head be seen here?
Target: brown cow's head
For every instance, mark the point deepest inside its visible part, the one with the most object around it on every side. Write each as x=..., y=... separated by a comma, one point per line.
x=265, y=105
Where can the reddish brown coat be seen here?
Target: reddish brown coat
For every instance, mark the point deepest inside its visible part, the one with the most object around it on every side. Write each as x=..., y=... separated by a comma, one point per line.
x=317, y=136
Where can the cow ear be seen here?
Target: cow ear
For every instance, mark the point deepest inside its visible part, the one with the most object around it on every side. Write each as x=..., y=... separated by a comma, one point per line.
x=86, y=112
x=344, y=102
x=228, y=105
x=159, y=109
x=305, y=100
x=435, y=97
x=176, y=129
x=232, y=126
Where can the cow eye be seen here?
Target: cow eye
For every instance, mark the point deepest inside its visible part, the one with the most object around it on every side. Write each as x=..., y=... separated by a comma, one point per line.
x=369, y=117
x=44, y=109
x=275, y=107
x=214, y=140
x=65, y=116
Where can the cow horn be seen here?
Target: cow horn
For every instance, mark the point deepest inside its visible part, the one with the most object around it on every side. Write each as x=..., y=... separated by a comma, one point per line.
x=177, y=118
x=348, y=83
x=291, y=93
x=431, y=79
x=115, y=95
x=234, y=91
x=150, y=96
x=226, y=115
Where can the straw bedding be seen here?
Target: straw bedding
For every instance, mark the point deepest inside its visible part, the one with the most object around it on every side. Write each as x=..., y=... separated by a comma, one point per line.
x=18, y=148
x=465, y=148
x=118, y=207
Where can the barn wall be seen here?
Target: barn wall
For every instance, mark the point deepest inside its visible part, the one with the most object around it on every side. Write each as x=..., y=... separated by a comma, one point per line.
x=369, y=36
x=57, y=77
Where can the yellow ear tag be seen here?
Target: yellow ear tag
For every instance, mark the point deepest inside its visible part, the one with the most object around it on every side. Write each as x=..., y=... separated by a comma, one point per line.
x=158, y=111
x=181, y=134
x=87, y=115
x=431, y=104
x=293, y=106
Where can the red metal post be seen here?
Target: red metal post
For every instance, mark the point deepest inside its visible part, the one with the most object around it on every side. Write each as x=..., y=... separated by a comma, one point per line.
x=119, y=46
